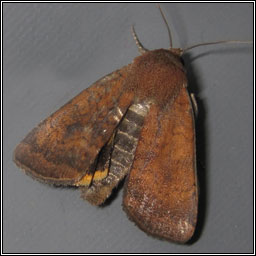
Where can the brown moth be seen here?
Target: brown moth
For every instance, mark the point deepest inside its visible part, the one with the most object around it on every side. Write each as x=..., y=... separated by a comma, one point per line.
x=136, y=122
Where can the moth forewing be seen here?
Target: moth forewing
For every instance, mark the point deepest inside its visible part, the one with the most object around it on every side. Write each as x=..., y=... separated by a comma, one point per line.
x=63, y=148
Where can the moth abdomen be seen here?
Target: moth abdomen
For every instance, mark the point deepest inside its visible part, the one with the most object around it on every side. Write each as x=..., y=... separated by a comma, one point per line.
x=121, y=158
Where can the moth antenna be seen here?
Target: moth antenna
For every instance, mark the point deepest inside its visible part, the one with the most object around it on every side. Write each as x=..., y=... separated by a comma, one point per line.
x=166, y=23
x=217, y=42
x=141, y=48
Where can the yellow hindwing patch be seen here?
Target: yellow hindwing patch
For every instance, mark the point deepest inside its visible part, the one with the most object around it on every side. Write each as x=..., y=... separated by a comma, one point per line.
x=100, y=174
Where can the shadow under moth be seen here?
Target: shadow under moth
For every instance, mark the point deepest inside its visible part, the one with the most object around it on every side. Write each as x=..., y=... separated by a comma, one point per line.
x=136, y=122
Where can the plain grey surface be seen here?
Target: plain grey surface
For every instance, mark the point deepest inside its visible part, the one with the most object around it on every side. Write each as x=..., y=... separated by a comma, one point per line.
x=52, y=51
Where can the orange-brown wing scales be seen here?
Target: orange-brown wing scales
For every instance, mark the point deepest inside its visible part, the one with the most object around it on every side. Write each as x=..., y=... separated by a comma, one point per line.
x=63, y=147
x=121, y=159
x=161, y=190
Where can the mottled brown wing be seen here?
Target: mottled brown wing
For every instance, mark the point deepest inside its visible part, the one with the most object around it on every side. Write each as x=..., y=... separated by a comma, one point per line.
x=63, y=147
x=161, y=190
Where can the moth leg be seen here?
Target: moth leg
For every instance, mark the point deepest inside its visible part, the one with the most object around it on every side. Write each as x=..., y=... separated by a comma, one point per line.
x=194, y=104
x=122, y=155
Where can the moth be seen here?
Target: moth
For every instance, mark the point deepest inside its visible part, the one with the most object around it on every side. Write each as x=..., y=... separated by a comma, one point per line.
x=138, y=123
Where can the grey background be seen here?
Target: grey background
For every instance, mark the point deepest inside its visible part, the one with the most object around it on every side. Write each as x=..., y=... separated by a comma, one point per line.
x=53, y=51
